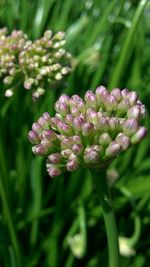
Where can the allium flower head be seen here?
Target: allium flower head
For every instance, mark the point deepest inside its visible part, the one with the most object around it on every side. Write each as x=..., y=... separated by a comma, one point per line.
x=10, y=47
x=39, y=64
x=44, y=62
x=88, y=132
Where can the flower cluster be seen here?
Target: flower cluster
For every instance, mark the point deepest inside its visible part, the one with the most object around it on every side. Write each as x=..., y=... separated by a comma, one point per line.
x=38, y=64
x=88, y=132
x=10, y=47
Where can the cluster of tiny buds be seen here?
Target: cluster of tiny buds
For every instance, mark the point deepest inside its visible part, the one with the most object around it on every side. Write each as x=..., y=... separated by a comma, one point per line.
x=40, y=63
x=88, y=132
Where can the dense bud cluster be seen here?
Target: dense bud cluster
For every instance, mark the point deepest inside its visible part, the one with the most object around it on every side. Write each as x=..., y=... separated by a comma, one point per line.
x=88, y=132
x=10, y=47
x=39, y=64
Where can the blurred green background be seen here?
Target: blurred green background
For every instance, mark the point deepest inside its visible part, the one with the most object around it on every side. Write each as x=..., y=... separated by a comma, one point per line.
x=57, y=222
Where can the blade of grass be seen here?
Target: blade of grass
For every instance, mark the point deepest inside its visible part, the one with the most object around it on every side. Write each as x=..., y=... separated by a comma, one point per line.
x=36, y=183
x=127, y=46
x=41, y=17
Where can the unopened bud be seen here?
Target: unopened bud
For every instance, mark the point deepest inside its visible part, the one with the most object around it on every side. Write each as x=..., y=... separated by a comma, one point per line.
x=134, y=112
x=91, y=156
x=40, y=150
x=123, y=107
x=117, y=94
x=105, y=139
x=113, y=149
x=90, y=99
x=123, y=141
x=54, y=158
x=130, y=126
x=139, y=135
x=72, y=165
x=133, y=97
x=33, y=137
x=87, y=129
x=36, y=128
x=53, y=170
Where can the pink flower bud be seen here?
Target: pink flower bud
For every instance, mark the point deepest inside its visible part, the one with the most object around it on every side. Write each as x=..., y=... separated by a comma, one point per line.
x=66, y=153
x=66, y=143
x=92, y=116
x=76, y=139
x=139, y=135
x=40, y=150
x=133, y=97
x=130, y=126
x=64, y=128
x=123, y=107
x=74, y=100
x=90, y=99
x=125, y=92
x=110, y=103
x=33, y=137
x=77, y=124
x=69, y=119
x=142, y=112
x=72, y=165
x=43, y=123
x=101, y=93
x=123, y=141
x=54, y=122
x=77, y=149
x=46, y=116
x=116, y=92
x=102, y=125
x=61, y=107
x=113, y=149
x=54, y=158
x=37, y=128
x=53, y=170
x=134, y=112
x=64, y=99
x=105, y=139
x=87, y=129
x=114, y=124
x=91, y=156
x=49, y=135
x=74, y=111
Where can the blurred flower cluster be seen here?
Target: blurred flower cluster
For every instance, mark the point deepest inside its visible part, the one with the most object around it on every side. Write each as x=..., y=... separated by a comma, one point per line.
x=36, y=64
x=88, y=132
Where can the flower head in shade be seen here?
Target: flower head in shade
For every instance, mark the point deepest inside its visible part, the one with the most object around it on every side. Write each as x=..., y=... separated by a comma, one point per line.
x=88, y=132
x=10, y=47
x=44, y=62
x=37, y=64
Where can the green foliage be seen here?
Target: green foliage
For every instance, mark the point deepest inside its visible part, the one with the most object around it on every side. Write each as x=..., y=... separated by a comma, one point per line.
x=109, y=41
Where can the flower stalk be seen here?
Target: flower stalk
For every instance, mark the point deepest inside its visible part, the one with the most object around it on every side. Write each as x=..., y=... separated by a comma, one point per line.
x=90, y=133
x=102, y=188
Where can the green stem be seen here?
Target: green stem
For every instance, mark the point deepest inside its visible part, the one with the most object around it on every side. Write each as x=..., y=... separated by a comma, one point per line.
x=100, y=182
x=82, y=222
x=132, y=241
x=5, y=200
x=8, y=219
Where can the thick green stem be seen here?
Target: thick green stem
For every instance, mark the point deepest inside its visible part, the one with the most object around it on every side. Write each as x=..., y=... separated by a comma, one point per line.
x=100, y=182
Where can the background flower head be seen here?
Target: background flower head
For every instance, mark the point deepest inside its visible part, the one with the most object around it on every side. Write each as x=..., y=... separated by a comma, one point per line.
x=35, y=64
